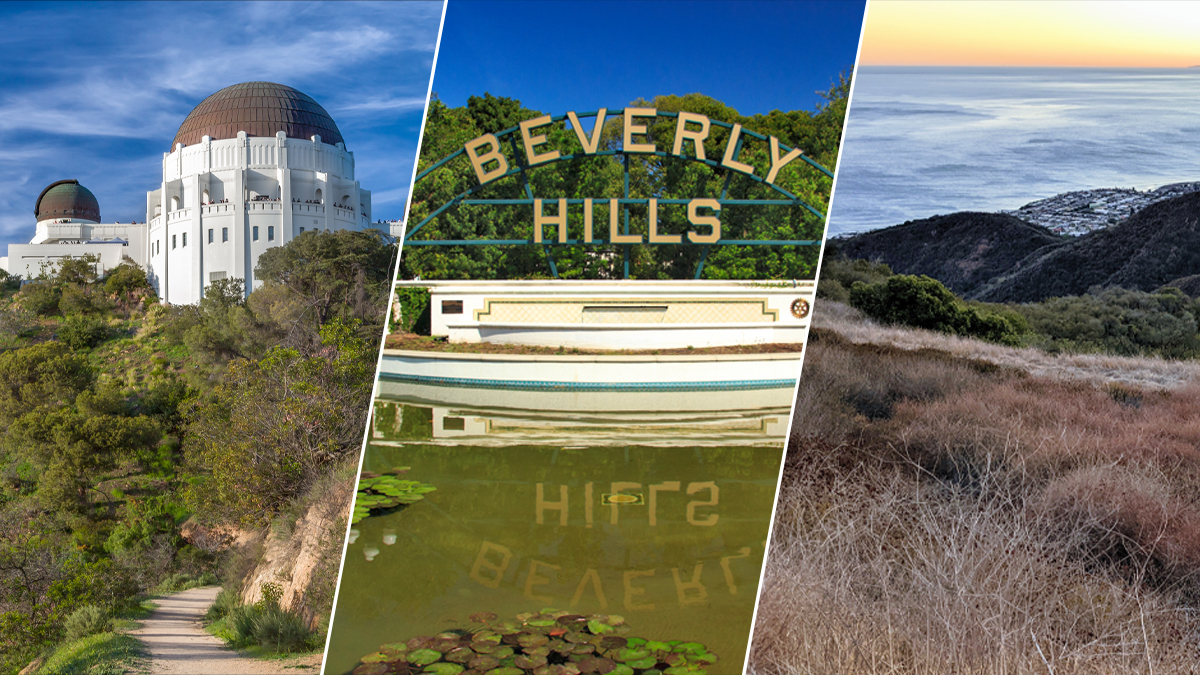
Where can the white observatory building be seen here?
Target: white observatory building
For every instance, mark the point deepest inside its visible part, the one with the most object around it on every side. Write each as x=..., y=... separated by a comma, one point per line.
x=252, y=167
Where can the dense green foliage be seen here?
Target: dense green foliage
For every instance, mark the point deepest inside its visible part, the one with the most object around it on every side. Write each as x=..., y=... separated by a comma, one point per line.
x=1118, y=321
x=922, y=302
x=1165, y=322
x=818, y=133
x=123, y=418
x=414, y=315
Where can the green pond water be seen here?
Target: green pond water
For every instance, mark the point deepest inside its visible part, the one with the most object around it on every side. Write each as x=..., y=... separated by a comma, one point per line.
x=669, y=537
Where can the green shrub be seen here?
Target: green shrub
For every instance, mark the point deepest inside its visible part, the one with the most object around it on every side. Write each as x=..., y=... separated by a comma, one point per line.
x=85, y=621
x=922, y=302
x=41, y=298
x=83, y=331
x=1118, y=321
x=226, y=602
x=241, y=622
x=281, y=631
x=415, y=314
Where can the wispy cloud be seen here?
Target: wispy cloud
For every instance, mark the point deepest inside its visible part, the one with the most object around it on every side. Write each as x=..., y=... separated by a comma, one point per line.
x=97, y=91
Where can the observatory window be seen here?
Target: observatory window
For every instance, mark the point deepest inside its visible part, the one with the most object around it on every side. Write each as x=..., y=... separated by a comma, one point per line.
x=173, y=242
x=270, y=233
x=254, y=233
x=224, y=234
x=302, y=230
x=185, y=239
x=210, y=235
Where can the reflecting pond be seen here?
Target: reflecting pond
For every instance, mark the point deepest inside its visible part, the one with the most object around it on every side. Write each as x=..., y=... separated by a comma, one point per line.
x=654, y=521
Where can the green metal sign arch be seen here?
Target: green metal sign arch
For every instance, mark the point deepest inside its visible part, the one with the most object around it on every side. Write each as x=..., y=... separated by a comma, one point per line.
x=523, y=133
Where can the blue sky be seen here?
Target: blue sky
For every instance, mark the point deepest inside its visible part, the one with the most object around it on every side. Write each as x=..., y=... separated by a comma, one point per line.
x=754, y=56
x=96, y=92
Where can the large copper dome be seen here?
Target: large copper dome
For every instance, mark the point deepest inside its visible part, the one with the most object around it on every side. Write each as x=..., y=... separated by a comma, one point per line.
x=67, y=199
x=259, y=109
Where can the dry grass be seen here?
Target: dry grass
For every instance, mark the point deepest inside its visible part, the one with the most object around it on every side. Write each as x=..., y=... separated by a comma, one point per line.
x=949, y=508
x=1142, y=372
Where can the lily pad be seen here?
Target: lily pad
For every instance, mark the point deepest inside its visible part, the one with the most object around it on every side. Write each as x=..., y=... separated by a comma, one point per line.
x=444, y=668
x=460, y=655
x=526, y=662
x=599, y=628
x=629, y=654
x=482, y=617
x=596, y=664
x=655, y=646
x=613, y=642
x=424, y=657
x=484, y=662
x=377, y=657
x=371, y=669
x=648, y=662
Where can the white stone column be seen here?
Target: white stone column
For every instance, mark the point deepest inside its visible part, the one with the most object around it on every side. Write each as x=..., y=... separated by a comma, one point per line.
x=240, y=234
x=284, y=176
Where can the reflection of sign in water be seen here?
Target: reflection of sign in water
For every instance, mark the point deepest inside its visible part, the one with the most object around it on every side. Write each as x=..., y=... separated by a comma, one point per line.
x=549, y=584
x=562, y=506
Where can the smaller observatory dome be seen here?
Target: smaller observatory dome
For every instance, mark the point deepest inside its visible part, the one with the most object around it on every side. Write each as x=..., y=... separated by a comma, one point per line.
x=67, y=199
x=259, y=109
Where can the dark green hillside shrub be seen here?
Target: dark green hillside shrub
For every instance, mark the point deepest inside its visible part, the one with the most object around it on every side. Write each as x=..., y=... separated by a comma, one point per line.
x=41, y=298
x=839, y=274
x=1118, y=321
x=83, y=331
x=922, y=302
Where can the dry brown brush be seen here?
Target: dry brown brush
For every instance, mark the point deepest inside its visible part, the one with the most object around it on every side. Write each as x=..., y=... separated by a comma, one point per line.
x=944, y=515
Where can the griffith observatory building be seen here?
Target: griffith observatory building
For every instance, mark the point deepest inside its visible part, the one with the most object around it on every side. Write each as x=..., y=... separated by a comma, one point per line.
x=252, y=167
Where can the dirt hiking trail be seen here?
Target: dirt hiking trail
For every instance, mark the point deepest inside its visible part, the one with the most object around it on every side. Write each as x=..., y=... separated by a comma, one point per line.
x=179, y=646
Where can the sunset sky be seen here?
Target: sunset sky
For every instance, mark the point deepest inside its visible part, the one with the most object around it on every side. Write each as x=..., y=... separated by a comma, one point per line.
x=1007, y=33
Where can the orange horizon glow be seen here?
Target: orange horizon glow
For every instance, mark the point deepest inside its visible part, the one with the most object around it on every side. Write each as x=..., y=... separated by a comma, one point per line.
x=1008, y=33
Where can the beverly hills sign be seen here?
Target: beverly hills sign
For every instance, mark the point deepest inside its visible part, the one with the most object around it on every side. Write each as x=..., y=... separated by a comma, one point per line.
x=529, y=147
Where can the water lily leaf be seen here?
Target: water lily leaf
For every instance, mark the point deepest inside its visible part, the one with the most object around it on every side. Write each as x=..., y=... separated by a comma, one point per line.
x=484, y=663
x=694, y=647
x=599, y=628
x=613, y=642
x=460, y=655
x=371, y=669
x=622, y=669
x=422, y=642
x=526, y=662
x=541, y=623
x=424, y=657
x=655, y=646
x=377, y=657
x=596, y=664
x=444, y=668
x=629, y=654
x=394, y=647
x=648, y=662
x=636, y=642
x=482, y=617
x=506, y=670
x=486, y=637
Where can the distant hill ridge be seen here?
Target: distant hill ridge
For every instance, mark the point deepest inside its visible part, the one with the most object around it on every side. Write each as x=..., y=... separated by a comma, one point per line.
x=1000, y=258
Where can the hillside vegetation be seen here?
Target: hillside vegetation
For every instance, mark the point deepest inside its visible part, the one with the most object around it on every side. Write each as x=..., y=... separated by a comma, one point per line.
x=126, y=420
x=998, y=258
x=944, y=510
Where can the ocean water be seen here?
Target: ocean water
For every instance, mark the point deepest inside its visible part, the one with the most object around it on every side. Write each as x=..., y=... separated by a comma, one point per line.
x=922, y=141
